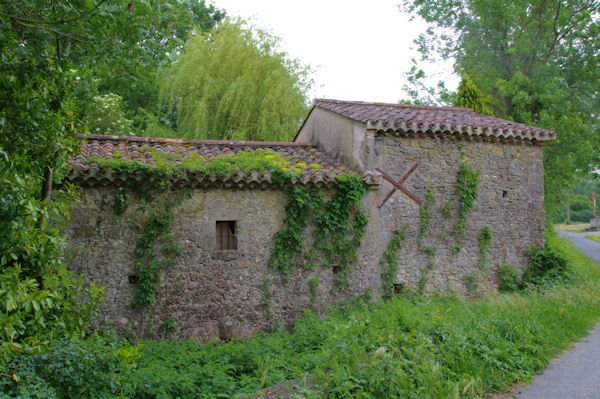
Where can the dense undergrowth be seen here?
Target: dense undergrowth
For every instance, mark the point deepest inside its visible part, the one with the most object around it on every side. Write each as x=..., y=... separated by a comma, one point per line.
x=411, y=346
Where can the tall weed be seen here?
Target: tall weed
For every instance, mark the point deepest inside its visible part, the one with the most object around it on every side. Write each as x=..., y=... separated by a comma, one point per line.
x=407, y=347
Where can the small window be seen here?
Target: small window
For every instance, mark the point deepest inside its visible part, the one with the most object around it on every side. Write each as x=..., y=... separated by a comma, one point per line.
x=226, y=235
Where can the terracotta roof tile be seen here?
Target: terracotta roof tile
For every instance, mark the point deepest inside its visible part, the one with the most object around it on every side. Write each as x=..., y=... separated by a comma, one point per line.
x=138, y=149
x=401, y=118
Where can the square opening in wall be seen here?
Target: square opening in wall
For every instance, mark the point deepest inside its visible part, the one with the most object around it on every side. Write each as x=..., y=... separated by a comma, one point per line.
x=226, y=235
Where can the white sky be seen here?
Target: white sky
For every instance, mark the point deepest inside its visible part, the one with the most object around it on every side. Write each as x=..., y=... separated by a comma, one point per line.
x=360, y=49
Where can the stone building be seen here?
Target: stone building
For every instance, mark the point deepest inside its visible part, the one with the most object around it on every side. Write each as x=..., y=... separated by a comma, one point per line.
x=221, y=284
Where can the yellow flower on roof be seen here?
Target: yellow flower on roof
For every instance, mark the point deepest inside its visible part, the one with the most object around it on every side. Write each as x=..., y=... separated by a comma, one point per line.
x=301, y=165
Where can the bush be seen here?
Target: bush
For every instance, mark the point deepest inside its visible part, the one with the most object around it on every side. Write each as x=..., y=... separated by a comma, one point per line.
x=33, y=317
x=509, y=279
x=420, y=346
x=92, y=368
x=545, y=266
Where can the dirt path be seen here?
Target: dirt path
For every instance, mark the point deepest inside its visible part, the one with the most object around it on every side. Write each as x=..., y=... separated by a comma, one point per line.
x=576, y=373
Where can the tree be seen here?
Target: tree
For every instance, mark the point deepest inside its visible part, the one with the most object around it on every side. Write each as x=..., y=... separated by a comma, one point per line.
x=56, y=58
x=537, y=61
x=41, y=301
x=234, y=83
x=115, y=46
x=469, y=96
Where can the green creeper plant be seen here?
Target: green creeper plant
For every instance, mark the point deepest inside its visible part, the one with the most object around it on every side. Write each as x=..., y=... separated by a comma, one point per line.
x=531, y=61
x=389, y=262
x=339, y=227
x=425, y=214
x=485, y=239
x=466, y=190
x=148, y=265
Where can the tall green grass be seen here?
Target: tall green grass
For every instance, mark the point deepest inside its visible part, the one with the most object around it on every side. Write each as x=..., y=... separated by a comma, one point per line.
x=406, y=347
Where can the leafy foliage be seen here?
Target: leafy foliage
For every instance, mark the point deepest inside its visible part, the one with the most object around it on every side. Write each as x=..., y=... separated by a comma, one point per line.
x=339, y=227
x=106, y=116
x=389, y=261
x=169, y=166
x=36, y=137
x=545, y=265
x=115, y=47
x=485, y=239
x=469, y=96
x=509, y=279
x=148, y=266
x=42, y=302
x=535, y=62
x=92, y=368
x=466, y=189
x=34, y=316
x=425, y=214
x=414, y=346
x=235, y=84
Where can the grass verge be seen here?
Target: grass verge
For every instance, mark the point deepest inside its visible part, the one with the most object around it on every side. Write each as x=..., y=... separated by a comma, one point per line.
x=573, y=228
x=406, y=347
x=594, y=237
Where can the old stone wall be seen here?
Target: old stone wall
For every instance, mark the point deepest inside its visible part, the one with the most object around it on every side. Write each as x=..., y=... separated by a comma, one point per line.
x=510, y=201
x=208, y=293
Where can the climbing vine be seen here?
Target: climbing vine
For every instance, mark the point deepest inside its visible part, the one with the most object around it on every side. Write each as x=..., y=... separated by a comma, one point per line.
x=340, y=224
x=466, y=189
x=425, y=214
x=313, y=287
x=485, y=239
x=148, y=265
x=389, y=261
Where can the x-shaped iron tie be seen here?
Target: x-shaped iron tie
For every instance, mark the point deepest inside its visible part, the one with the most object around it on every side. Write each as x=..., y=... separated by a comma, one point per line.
x=398, y=185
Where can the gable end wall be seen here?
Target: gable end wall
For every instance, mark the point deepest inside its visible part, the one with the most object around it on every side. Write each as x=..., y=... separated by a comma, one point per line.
x=339, y=137
x=510, y=201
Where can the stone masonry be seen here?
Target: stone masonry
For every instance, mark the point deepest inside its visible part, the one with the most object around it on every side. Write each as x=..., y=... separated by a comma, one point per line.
x=216, y=294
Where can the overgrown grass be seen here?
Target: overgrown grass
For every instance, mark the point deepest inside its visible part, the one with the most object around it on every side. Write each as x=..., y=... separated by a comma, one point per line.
x=594, y=237
x=406, y=347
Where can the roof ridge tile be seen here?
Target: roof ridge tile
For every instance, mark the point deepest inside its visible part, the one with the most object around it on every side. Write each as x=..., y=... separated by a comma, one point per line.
x=421, y=119
x=166, y=140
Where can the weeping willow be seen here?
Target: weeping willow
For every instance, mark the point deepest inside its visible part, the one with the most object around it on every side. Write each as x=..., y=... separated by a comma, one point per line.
x=234, y=84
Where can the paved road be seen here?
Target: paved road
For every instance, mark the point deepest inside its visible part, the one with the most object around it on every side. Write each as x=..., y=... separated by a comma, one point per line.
x=575, y=374
x=589, y=247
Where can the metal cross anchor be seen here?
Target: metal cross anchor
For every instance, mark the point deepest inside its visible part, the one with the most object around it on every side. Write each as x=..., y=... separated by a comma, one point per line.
x=398, y=185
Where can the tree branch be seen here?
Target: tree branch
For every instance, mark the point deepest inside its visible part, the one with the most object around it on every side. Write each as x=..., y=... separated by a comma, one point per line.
x=34, y=21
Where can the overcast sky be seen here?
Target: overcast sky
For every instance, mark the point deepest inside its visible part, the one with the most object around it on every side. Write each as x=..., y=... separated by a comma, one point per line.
x=360, y=49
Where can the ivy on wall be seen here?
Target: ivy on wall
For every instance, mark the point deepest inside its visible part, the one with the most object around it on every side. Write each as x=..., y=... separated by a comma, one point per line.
x=389, y=261
x=485, y=239
x=340, y=225
x=148, y=265
x=425, y=216
x=466, y=189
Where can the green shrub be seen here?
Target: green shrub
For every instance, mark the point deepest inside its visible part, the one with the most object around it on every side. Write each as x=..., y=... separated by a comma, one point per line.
x=92, y=368
x=509, y=279
x=33, y=317
x=414, y=347
x=545, y=266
